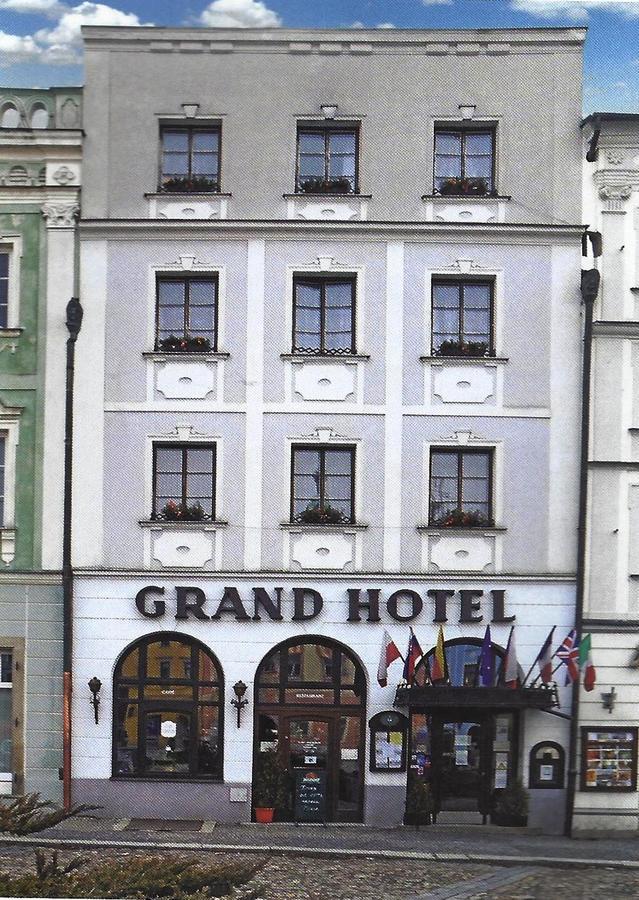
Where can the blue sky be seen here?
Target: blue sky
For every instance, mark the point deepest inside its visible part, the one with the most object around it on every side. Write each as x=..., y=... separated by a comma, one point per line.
x=40, y=39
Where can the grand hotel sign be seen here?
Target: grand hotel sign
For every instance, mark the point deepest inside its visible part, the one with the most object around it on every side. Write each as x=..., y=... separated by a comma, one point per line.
x=302, y=604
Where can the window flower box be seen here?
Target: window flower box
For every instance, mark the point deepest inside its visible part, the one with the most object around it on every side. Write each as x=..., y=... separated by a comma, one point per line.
x=186, y=344
x=191, y=185
x=322, y=515
x=458, y=518
x=181, y=512
x=325, y=186
x=465, y=187
x=464, y=348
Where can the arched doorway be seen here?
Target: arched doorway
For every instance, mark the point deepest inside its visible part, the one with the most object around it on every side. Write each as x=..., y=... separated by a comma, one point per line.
x=310, y=708
x=168, y=702
x=467, y=752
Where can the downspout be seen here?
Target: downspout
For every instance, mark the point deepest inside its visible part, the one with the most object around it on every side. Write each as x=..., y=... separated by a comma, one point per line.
x=73, y=323
x=590, y=279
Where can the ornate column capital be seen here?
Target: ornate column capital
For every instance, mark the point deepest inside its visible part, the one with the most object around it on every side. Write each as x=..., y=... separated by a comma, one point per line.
x=60, y=215
x=615, y=196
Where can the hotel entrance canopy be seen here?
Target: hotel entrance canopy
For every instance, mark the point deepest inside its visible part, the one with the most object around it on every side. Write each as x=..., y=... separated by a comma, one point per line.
x=440, y=696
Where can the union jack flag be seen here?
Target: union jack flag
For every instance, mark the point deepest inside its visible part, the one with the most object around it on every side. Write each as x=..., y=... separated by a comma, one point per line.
x=568, y=653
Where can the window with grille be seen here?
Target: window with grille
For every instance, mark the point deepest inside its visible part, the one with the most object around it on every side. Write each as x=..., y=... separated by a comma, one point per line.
x=462, y=318
x=323, y=315
x=323, y=485
x=461, y=488
x=183, y=482
x=186, y=313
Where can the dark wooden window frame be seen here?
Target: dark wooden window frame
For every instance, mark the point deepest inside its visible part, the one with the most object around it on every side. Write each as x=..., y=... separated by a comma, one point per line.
x=184, y=447
x=459, y=452
x=459, y=129
x=535, y=783
x=187, y=280
x=323, y=449
x=461, y=283
x=376, y=726
x=325, y=130
x=180, y=125
x=322, y=282
x=140, y=681
x=605, y=789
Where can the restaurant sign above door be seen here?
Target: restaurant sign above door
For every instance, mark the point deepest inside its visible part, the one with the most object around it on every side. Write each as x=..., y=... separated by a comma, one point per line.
x=301, y=604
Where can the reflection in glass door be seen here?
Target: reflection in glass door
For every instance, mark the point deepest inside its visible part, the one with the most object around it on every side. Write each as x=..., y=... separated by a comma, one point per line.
x=460, y=769
x=167, y=738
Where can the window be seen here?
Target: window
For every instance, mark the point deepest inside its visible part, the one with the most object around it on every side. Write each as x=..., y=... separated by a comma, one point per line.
x=327, y=160
x=4, y=290
x=39, y=116
x=547, y=765
x=461, y=488
x=190, y=159
x=461, y=657
x=323, y=315
x=388, y=731
x=608, y=758
x=9, y=117
x=183, y=482
x=464, y=161
x=323, y=485
x=6, y=721
x=187, y=313
x=3, y=464
x=462, y=318
x=167, y=723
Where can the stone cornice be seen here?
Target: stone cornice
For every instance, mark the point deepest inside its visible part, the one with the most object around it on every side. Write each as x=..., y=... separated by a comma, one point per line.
x=137, y=229
x=42, y=139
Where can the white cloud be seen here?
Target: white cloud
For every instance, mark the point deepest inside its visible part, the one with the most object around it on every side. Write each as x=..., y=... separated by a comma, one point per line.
x=15, y=48
x=574, y=9
x=385, y=25
x=67, y=33
x=437, y=2
x=239, y=14
x=46, y=7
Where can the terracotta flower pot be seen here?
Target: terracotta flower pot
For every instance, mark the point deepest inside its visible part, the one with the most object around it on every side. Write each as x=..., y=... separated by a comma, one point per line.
x=264, y=814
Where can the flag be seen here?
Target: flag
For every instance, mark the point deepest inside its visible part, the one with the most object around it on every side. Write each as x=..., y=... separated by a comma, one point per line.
x=412, y=655
x=389, y=653
x=568, y=653
x=487, y=661
x=510, y=665
x=544, y=658
x=586, y=664
x=438, y=668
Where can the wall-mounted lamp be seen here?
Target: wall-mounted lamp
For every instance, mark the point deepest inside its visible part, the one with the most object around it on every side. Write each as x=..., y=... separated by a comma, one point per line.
x=190, y=109
x=94, y=686
x=329, y=110
x=467, y=110
x=239, y=689
x=608, y=699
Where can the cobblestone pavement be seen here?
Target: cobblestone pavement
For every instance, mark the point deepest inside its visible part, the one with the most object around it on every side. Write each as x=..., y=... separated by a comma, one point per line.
x=285, y=877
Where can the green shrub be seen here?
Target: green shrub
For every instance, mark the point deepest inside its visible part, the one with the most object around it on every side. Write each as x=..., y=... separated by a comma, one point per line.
x=419, y=803
x=28, y=813
x=512, y=802
x=269, y=783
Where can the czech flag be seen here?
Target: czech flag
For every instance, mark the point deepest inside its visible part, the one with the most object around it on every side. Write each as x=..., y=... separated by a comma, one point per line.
x=389, y=653
x=438, y=668
x=413, y=653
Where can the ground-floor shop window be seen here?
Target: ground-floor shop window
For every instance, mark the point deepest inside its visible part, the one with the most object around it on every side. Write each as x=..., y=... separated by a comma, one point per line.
x=608, y=759
x=168, y=704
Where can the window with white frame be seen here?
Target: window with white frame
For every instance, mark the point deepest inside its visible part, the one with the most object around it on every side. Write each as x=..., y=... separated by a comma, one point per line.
x=4, y=289
x=10, y=253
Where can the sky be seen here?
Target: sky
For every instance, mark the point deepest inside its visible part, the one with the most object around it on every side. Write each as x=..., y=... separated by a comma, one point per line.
x=40, y=43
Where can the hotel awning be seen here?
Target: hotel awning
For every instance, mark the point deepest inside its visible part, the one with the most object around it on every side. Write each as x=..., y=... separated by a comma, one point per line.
x=440, y=696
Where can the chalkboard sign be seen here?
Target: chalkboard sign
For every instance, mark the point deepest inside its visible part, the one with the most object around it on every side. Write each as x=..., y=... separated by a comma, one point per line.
x=310, y=795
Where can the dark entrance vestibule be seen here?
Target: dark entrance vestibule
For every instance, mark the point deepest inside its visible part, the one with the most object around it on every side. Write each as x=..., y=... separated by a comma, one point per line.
x=310, y=710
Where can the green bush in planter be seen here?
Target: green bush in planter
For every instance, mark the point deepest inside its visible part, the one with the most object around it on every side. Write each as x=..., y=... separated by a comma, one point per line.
x=511, y=805
x=269, y=782
x=419, y=803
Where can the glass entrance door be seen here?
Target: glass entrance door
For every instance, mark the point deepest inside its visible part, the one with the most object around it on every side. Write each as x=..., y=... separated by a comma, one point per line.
x=460, y=765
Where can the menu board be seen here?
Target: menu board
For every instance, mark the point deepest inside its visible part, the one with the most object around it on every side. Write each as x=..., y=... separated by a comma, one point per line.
x=389, y=749
x=310, y=795
x=609, y=759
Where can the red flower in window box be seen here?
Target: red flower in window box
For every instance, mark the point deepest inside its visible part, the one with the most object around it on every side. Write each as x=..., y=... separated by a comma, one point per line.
x=186, y=344
x=458, y=518
x=464, y=186
x=462, y=348
x=182, y=512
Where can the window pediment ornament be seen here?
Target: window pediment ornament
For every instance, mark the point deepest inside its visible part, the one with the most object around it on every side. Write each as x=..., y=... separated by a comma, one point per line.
x=183, y=433
x=324, y=436
x=60, y=215
x=463, y=438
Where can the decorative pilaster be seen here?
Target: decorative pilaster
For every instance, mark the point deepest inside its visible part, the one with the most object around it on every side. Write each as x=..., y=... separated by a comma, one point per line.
x=60, y=215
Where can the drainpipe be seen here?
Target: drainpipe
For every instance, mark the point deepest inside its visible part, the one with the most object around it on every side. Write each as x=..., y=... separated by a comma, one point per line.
x=590, y=279
x=73, y=323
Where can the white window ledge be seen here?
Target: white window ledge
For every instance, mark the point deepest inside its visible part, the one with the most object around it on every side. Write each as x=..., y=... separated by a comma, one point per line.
x=454, y=208
x=323, y=529
x=332, y=207
x=455, y=360
x=173, y=524
x=7, y=545
x=179, y=356
x=325, y=358
x=204, y=206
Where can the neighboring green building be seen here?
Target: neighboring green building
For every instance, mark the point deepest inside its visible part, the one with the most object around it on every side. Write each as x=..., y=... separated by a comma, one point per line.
x=40, y=152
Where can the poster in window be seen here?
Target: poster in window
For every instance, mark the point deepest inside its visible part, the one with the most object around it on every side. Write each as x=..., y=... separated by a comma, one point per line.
x=388, y=749
x=609, y=759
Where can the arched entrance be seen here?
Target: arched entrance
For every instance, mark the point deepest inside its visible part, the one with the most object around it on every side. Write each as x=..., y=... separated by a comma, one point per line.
x=464, y=747
x=310, y=708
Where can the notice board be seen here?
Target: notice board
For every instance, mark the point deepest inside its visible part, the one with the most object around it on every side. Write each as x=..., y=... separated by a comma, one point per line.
x=310, y=795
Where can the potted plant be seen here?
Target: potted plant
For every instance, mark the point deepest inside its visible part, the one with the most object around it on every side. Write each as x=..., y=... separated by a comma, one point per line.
x=317, y=185
x=462, y=348
x=419, y=803
x=269, y=786
x=321, y=515
x=185, y=344
x=464, y=187
x=458, y=518
x=182, y=512
x=183, y=184
x=511, y=805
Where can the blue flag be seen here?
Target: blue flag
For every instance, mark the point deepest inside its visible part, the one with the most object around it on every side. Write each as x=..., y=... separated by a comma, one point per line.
x=487, y=661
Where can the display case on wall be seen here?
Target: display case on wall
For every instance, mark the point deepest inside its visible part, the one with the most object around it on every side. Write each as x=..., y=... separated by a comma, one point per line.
x=608, y=759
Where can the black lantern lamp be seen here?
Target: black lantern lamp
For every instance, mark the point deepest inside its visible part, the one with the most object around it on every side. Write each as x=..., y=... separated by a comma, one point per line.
x=74, y=317
x=239, y=701
x=94, y=686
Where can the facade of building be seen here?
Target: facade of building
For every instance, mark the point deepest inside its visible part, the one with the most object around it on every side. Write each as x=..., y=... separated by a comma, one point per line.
x=327, y=387
x=607, y=797
x=40, y=149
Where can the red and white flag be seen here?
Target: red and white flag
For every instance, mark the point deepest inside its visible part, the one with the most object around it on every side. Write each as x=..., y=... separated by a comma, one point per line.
x=511, y=665
x=389, y=653
x=544, y=659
